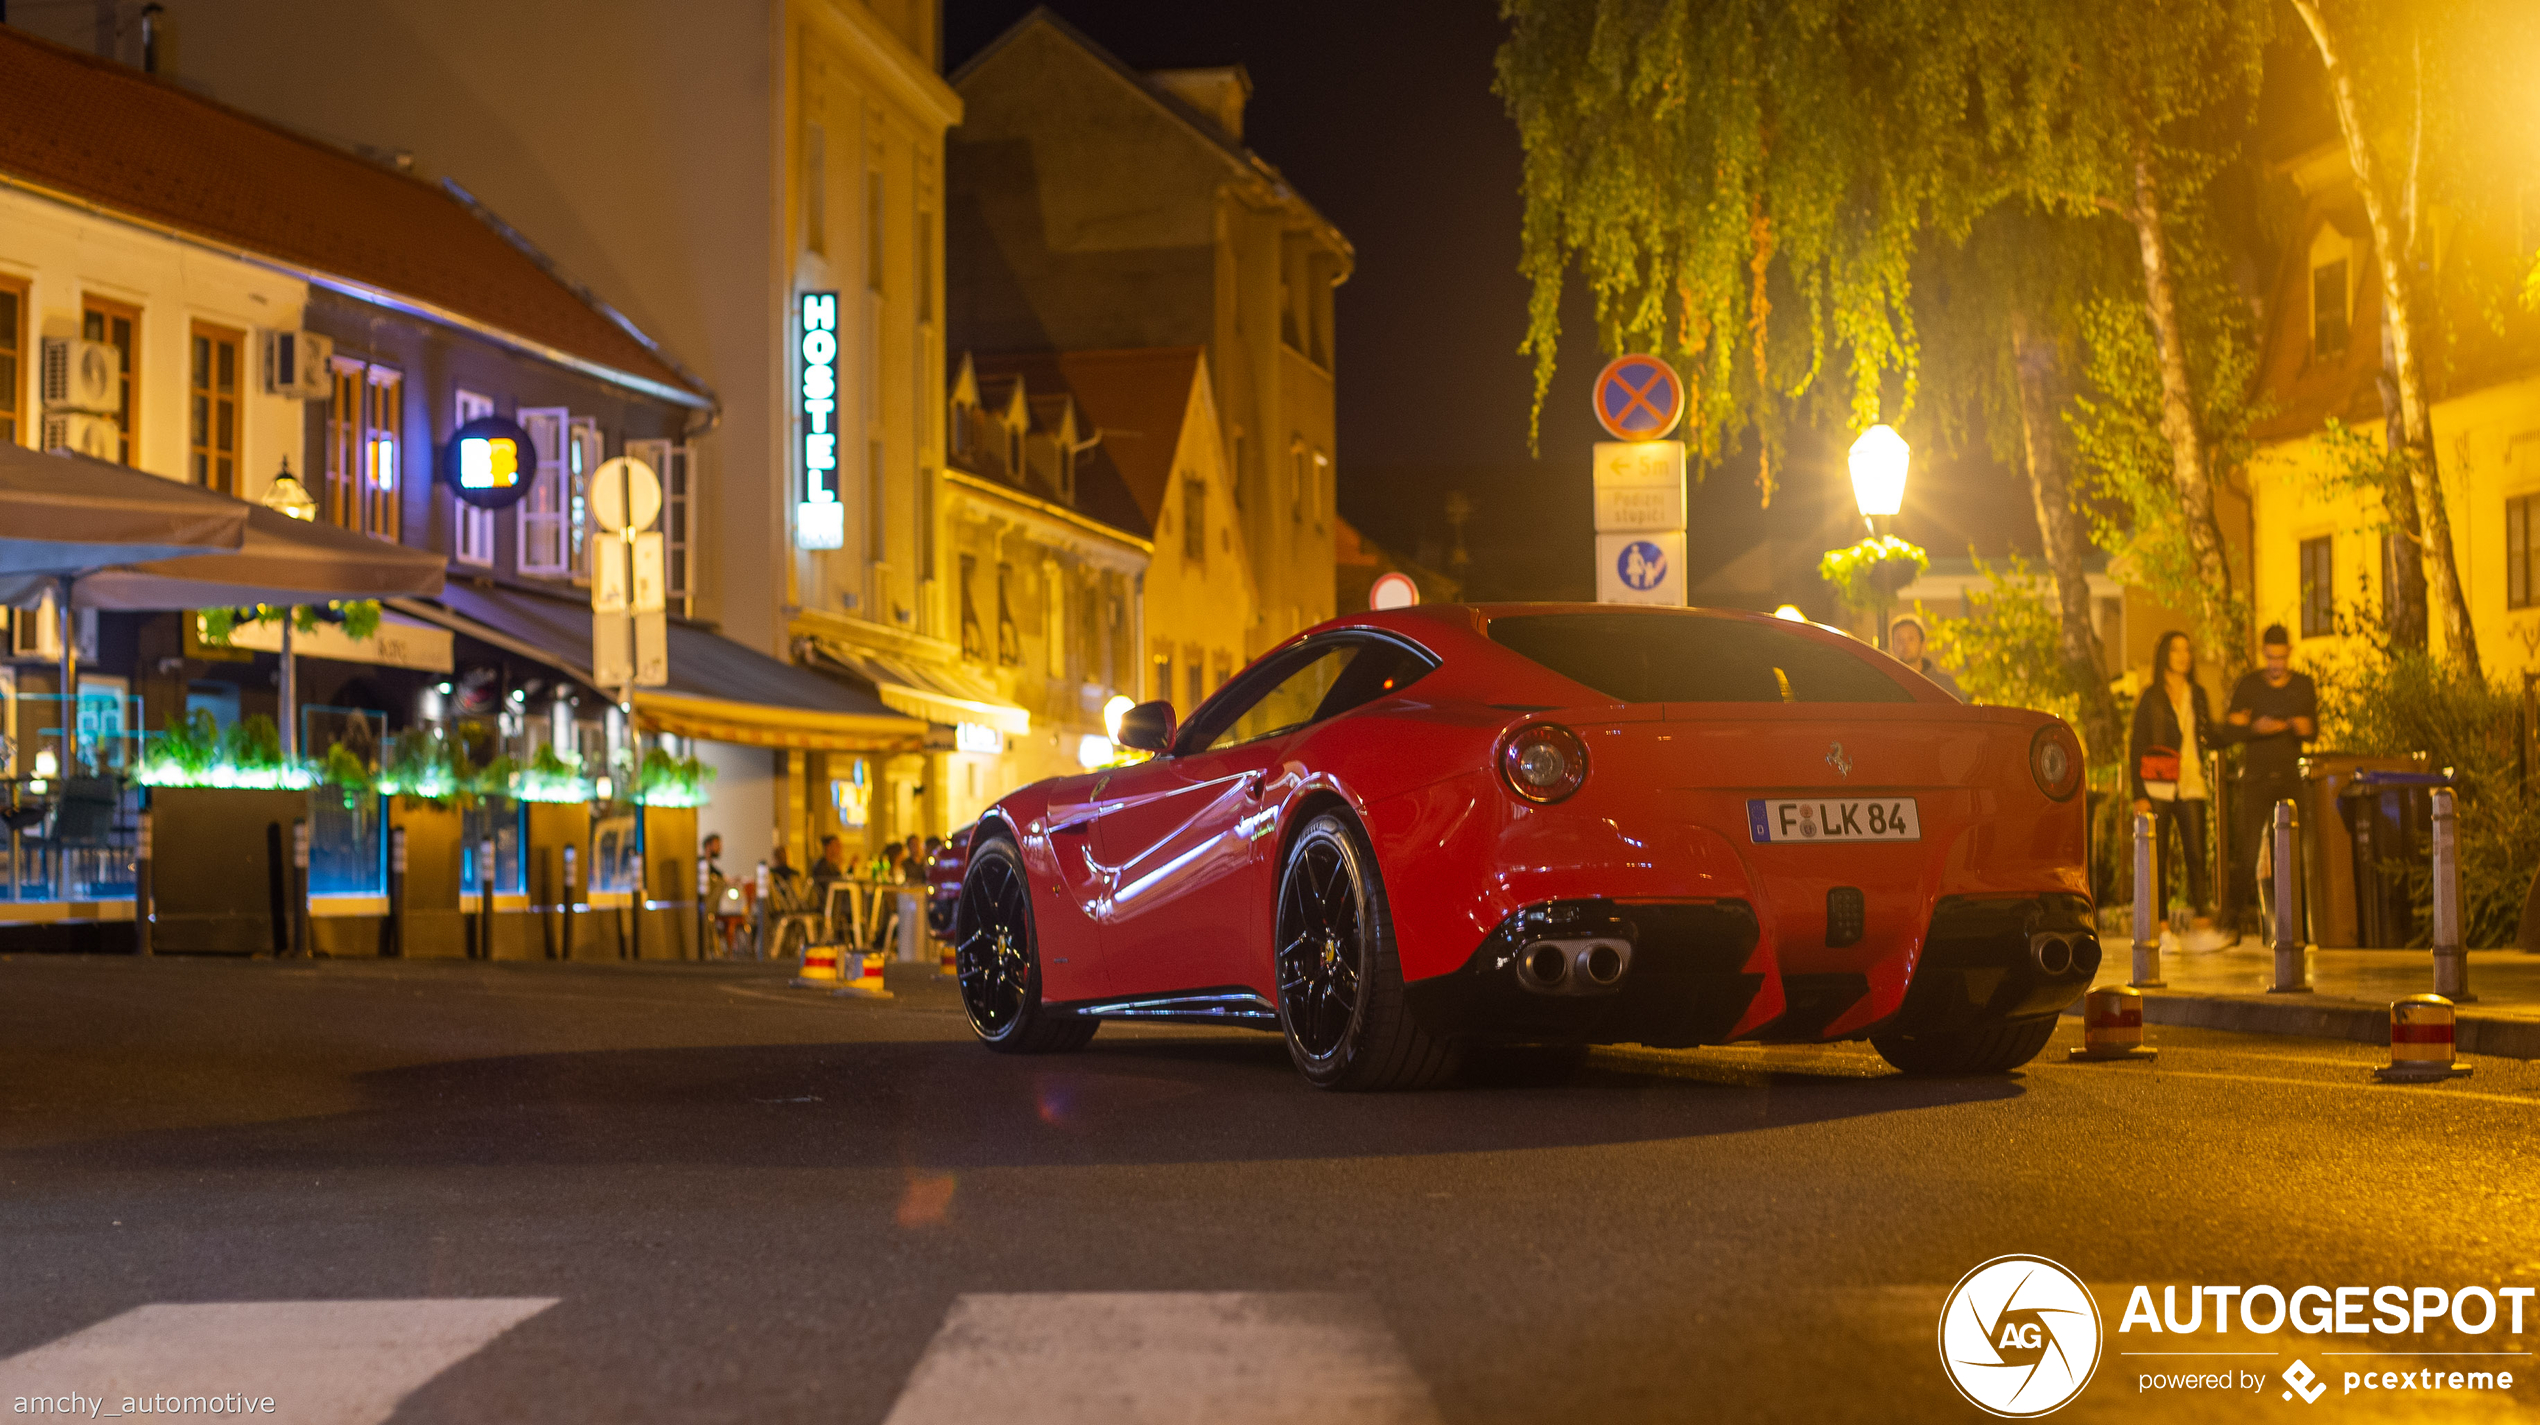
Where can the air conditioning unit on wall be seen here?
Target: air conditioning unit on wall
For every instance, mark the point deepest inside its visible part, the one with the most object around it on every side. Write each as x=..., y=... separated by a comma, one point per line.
x=296, y=365
x=82, y=375
x=87, y=435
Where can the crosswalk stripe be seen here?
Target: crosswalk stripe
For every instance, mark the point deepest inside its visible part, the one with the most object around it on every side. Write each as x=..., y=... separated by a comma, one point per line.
x=1130, y=1358
x=319, y=1362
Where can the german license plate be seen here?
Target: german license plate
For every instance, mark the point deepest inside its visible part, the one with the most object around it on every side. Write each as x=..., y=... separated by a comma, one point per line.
x=1833, y=819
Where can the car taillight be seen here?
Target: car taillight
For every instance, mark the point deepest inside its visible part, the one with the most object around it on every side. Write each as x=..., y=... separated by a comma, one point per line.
x=2054, y=758
x=1544, y=763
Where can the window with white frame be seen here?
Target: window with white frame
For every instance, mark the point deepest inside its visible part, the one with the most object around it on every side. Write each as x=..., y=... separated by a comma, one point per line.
x=473, y=539
x=543, y=536
x=584, y=455
x=676, y=467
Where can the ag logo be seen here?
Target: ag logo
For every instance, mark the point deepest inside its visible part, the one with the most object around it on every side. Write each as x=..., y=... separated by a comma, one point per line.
x=2305, y=1382
x=2019, y=1336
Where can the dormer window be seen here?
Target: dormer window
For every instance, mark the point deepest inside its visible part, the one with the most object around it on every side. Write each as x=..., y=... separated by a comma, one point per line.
x=2332, y=292
x=1014, y=451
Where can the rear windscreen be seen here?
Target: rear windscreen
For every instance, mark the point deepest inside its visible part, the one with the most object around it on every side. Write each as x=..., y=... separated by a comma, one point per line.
x=1688, y=658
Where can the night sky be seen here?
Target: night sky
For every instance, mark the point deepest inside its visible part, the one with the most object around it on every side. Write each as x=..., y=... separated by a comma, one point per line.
x=1384, y=118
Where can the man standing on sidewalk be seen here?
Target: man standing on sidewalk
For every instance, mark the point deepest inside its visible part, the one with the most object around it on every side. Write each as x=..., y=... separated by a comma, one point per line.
x=2279, y=710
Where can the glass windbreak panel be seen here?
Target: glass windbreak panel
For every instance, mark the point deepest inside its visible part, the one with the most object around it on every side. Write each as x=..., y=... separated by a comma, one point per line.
x=69, y=820
x=506, y=823
x=617, y=851
x=1694, y=658
x=348, y=843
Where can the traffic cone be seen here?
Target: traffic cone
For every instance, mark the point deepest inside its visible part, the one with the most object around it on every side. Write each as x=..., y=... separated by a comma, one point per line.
x=820, y=967
x=868, y=981
x=2420, y=1042
x=2111, y=1027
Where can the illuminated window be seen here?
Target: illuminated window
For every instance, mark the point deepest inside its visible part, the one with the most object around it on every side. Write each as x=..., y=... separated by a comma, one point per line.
x=212, y=426
x=118, y=326
x=363, y=449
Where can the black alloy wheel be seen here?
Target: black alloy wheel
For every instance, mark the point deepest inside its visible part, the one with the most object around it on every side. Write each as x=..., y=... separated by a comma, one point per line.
x=1340, y=983
x=997, y=964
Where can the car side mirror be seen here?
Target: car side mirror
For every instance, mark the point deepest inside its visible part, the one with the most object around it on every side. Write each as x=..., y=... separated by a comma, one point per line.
x=1148, y=727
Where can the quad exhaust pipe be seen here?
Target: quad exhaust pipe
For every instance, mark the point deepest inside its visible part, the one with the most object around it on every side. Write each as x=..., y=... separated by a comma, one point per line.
x=1574, y=967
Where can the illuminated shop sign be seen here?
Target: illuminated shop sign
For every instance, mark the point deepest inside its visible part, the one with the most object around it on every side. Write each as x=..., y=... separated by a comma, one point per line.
x=489, y=463
x=977, y=737
x=820, y=521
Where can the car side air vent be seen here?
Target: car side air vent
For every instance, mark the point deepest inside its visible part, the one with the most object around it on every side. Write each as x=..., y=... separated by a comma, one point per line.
x=1846, y=916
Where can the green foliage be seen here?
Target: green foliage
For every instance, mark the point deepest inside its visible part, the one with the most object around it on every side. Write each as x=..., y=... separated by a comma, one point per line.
x=1703, y=165
x=2135, y=512
x=1867, y=574
x=191, y=744
x=673, y=781
x=360, y=618
x=2389, y=703
x=344, y=769
x=2009, y=652
x=253, y=742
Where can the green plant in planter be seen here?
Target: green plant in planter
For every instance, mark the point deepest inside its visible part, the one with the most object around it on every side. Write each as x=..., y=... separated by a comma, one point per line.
x=345, y=770
x=498, y=779
x=673, y=781
x=1867, y=574
x=190, y=747
x=253, y=744
x=416, y=763
x=551, y=777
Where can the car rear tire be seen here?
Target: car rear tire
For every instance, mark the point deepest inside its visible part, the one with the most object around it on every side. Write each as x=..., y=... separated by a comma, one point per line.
x=997, y=960
x=1994, y=1049
x=1341, y=1003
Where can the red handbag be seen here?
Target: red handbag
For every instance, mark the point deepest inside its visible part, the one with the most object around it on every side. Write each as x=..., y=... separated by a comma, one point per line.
x=2159, y=770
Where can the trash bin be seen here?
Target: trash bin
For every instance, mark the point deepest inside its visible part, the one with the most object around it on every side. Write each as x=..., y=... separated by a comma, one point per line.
x=2390, y=819
x=2328, y=842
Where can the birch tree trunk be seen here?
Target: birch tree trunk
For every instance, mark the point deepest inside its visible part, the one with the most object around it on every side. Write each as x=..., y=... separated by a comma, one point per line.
x=2059, y=527
x=2189, y=461
x=2404, y=608
x=2394, y=252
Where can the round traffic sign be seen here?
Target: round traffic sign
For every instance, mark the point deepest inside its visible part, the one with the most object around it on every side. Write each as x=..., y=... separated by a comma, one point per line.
x=490, y=463
x=1393, y=591
x=632, y=482
x=1639, y=398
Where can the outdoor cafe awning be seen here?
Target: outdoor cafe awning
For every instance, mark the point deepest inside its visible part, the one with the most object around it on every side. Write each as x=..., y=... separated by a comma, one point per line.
x=719, y=690
x=933, y=694
x=64, y=513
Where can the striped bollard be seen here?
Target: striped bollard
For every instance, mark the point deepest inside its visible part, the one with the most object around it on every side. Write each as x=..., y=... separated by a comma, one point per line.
x=2421, y=1035
x=2111, y=1027
x=868, y=981
x=820, y=967
x=2147, y=928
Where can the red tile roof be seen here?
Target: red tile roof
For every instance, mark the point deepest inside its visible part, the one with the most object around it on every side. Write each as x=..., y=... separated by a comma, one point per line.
x=94, y=132
x=1136, y=397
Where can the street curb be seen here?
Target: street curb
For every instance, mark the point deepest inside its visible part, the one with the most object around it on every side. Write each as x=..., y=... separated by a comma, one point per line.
x=2361, y=1022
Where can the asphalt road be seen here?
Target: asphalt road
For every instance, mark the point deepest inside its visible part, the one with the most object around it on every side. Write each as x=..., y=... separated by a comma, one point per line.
x=680, y=1192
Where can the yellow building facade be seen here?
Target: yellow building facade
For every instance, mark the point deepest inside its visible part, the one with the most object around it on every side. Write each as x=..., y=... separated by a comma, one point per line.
x=2318, y=551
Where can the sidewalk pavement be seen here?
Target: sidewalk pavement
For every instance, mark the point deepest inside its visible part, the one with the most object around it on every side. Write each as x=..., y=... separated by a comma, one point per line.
x=2350, y=997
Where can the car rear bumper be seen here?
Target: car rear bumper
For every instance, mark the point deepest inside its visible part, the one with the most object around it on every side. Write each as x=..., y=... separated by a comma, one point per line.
x=1692, y=974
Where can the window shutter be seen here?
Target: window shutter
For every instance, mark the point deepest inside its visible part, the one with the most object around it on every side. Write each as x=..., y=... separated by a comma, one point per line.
x=542, y=533
x=674, y=465
x=585, y=453
x=474, y=537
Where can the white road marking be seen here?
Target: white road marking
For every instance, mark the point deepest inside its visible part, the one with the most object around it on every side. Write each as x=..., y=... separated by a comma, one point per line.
x=321, y=1362
x=1170, y=1358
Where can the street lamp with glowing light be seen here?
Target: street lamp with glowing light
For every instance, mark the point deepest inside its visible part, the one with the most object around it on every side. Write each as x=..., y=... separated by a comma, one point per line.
x=286, y=495
x=1878, y=461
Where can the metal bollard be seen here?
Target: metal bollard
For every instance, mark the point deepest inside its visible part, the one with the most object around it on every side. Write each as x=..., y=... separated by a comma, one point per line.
x=567, y=902
x=144, y=909
x=2147, y=929
x=302, y=937
x=705, y=907
x=2451, y=957
x=758, y=932
x=395, y=946
x=2291, y=977
x=485, y=897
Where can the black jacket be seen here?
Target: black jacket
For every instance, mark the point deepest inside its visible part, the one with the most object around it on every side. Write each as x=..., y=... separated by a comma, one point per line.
x=2156, y=725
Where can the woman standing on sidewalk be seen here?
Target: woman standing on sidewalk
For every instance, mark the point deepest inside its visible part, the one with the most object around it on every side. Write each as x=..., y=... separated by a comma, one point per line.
x=2173, y=729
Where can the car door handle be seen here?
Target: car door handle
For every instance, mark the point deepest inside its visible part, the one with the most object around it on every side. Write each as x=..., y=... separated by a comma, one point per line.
x=1254, y=783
